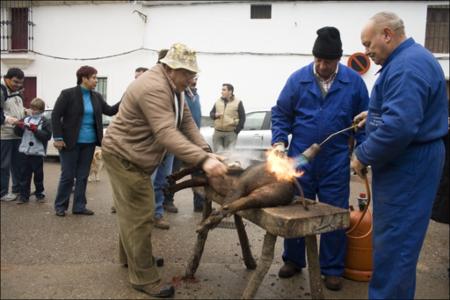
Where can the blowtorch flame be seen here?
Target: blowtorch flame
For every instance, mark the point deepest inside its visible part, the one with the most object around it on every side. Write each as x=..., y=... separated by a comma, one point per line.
x=282, y=167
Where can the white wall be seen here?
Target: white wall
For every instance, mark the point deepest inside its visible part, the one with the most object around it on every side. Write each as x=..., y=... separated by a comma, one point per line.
x=258, y=79
x=87, y=31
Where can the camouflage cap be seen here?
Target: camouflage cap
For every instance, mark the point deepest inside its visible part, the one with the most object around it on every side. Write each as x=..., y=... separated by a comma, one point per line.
x=180, y=56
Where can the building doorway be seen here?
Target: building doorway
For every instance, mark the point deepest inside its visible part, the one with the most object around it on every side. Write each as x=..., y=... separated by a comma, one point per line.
x=29, y=92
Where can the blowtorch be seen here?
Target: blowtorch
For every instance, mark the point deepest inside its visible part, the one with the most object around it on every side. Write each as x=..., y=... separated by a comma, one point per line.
x=308, y=155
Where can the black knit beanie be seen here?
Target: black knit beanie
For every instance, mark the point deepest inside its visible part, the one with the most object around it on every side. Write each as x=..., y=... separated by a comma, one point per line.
x=328, y=44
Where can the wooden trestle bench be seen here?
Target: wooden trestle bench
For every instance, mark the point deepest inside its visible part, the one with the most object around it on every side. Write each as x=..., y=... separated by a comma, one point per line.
x=290, y=221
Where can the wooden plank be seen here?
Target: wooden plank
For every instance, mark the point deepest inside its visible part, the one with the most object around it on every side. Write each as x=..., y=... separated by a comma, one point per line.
x=194, y=260
x=315, y=282
x=263, y=266
x=245, y=245
x=293, y=220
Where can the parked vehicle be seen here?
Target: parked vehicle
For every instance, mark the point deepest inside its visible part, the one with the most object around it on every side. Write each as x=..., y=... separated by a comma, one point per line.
x=255, y=138
x=51, y=150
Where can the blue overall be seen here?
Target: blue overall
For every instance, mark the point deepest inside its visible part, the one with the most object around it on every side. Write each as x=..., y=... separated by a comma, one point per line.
x=310, y=118
x=406, y=122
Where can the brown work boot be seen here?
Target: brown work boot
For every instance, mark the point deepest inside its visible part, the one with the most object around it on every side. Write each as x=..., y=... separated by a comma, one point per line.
x=170, y=207
x=157, y=289
x=161, y=223
x=288, y=270
x=333, y=283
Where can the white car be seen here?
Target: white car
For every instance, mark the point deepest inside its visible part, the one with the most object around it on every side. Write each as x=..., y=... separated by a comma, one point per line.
x=254, y=139
x=51, y=150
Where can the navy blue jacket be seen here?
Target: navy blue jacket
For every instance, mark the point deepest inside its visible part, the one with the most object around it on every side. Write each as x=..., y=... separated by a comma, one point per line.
x=302, y=111
x=408, y=105
x=194, y=106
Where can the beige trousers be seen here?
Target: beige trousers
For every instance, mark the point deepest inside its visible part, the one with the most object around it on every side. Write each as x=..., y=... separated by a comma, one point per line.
x=224, y=141
x=134, y=201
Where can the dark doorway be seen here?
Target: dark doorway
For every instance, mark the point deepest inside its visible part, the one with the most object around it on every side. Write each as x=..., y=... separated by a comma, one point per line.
x=29, y=92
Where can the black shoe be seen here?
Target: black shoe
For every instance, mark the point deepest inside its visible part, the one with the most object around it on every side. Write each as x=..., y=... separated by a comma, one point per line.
x=159, y=261
x=333, y=283
x=170, y=207
x=86, y=212
x=113, y=209
x=288, y=270
x=39, y=196
x=40, y=200
x=22, y=200
x=157, y=289
x=60, y=213
x=198, y=209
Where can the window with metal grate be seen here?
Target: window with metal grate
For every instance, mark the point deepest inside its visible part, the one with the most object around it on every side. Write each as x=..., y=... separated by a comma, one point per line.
x=436, y=36
x=102, y=85
x=260, y=11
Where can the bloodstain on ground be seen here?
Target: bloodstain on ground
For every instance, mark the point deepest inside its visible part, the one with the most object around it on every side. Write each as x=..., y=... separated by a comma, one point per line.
x=177, y=280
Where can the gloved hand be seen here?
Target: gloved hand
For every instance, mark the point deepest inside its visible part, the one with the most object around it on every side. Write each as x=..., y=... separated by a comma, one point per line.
x=20, y=124
x=279, y=149
x=32, y=127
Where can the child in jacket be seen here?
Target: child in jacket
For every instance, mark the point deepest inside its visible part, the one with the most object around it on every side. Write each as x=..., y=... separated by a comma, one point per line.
x=35, y=131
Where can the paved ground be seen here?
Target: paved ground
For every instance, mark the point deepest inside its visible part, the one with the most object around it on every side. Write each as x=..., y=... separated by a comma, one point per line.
x=44, y=256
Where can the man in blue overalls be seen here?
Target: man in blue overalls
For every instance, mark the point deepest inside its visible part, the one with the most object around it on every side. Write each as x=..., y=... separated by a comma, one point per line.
x=406, y=121
x=317, y=100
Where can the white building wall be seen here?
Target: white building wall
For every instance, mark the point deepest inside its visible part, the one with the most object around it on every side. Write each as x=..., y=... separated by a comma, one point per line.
x=258, y=79
x=88, y=31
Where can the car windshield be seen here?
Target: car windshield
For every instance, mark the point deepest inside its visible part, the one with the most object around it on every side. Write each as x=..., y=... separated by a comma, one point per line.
x=254, y=121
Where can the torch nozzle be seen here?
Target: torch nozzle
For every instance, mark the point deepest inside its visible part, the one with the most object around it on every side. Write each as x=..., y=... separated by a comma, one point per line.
x=308, y=155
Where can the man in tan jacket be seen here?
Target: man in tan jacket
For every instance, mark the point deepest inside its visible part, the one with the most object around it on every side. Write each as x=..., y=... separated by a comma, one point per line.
x=152, y=120
x=229, y=117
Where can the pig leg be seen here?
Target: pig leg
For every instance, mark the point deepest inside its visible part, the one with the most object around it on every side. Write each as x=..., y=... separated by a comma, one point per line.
x=271, y=195
x=196, y=181
x=274, y=194
x=172, y=178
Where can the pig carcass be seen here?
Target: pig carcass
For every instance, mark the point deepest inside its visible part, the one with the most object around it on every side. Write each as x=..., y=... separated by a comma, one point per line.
x=255, y=187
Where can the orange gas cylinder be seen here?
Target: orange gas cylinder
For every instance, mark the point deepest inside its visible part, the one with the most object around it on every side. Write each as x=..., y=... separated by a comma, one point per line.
x=358, y=262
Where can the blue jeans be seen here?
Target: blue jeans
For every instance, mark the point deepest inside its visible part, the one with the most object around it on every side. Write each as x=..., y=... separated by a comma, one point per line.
x=160, y=182
x=75, y=164
x=11, y=162
x=198, y=199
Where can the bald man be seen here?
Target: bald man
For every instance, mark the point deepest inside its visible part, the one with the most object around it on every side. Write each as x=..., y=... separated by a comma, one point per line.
x=406, y=123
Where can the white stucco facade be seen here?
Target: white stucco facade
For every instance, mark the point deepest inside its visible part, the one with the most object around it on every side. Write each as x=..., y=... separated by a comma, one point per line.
x=256, y=56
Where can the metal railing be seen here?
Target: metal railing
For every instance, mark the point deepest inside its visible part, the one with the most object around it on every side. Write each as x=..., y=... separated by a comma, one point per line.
x=16, y=26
